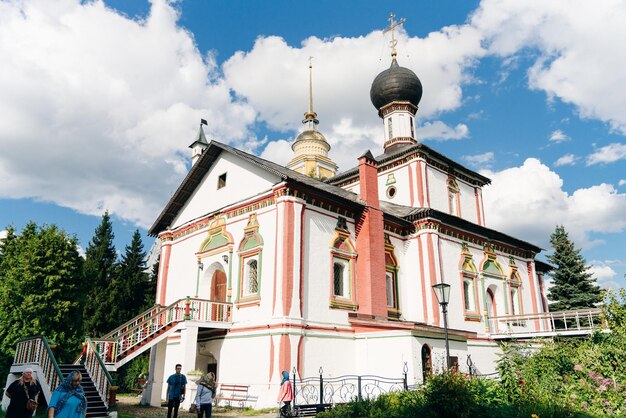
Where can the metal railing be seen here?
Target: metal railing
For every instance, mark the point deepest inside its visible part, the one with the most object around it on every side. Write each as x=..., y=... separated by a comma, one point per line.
x=577, y=322
x=343, y=389
x=96, y=368
x=36, y=350
x=136, y=332
x=142, y=317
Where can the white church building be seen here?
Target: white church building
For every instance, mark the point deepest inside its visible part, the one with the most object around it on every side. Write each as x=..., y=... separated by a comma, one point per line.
x=308, y=268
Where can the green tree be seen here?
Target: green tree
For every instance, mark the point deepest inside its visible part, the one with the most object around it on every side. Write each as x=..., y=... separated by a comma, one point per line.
x=573, y=286
x=127, y=290
x=41, y=287
x=100, y=264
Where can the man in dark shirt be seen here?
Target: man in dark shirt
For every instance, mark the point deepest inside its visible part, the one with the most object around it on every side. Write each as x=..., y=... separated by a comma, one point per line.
x=176, y=384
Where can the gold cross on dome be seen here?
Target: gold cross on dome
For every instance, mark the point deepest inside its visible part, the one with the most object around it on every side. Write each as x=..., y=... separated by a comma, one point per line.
x=392, y=25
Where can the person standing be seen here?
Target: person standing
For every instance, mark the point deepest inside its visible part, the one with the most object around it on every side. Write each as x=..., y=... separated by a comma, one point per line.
x=285, y=395
x=20, y=391
x=205, y=395
x=176, y=385
x=68, y=399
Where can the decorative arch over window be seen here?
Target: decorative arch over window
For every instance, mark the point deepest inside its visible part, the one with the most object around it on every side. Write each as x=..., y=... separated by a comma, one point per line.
x=454, y=201
x=391, y=279
x=469, y=276
x=218, y=236
x=342, y=259
x=250, y=263
x=490, y=264
x=515, y=288
x=491, y=269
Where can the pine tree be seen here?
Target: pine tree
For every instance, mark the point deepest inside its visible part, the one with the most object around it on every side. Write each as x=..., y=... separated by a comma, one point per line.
x=41, y=288
x=573, y=286
x=128, y=285
x=100, y=263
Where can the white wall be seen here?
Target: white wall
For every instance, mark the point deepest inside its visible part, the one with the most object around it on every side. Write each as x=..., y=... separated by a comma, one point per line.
x=243, y=180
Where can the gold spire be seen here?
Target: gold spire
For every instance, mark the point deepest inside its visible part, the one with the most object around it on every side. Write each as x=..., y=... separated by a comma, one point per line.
x=310, y=115
x=392, y=25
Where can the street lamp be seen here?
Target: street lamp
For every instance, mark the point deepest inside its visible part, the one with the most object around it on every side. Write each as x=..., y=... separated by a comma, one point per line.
x=442, y=291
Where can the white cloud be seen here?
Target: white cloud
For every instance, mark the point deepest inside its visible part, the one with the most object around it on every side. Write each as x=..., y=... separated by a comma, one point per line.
x=604, y=274
x=608, y=154
x=622, y=182
x=558, y=136
x=343, y=70
x=479, y=160
x=440, y=131
x=578, y=60
x=529, y=201
x=567, y=159
x=98, y=109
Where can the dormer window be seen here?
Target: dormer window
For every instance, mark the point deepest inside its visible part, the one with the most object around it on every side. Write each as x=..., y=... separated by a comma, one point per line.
x=221, y=181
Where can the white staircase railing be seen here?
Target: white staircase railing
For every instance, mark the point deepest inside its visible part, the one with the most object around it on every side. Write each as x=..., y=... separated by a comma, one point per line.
x=127, y=339
x=577, y=322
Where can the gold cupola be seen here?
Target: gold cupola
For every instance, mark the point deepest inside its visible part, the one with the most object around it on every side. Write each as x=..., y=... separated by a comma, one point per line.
x=310, y=147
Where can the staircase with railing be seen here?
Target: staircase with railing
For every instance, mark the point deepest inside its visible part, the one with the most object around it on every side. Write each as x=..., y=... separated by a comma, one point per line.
x=100, y=355
x=136, y=336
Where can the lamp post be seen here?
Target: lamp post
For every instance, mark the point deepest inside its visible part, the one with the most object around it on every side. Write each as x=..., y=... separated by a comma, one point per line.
x=442, y=291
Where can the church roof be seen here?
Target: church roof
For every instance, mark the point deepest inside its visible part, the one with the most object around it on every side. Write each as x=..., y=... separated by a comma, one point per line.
x=404, y=215
x=395, y=84
x=400, y=151
x=201, y=167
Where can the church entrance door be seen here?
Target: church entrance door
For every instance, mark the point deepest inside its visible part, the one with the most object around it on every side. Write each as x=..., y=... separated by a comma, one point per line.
x=218, y=294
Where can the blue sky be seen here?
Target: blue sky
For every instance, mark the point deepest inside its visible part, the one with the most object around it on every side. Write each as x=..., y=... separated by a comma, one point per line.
x=99, y=101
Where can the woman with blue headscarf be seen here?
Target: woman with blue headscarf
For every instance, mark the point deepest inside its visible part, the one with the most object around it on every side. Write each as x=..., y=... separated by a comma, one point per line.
x=68, y=399
x=285, y=395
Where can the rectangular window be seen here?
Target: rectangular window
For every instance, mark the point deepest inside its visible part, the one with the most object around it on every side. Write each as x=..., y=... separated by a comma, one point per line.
x=412, y=127
x=515, y=310
x=221, y=181
x=452, y=197
x=391, y=290
x=338, y=278
x=469, y=295
x=390, y=128
x=251, y=276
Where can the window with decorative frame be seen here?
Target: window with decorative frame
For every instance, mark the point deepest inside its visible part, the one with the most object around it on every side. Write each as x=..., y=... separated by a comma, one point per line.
x=454, y=202
x=391, y=280
x=515, y=289
x=250, y=263
x=343, y=258
x=469, y=274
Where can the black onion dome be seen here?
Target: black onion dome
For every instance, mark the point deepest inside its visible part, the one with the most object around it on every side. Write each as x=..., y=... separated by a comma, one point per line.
x=396, y=84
